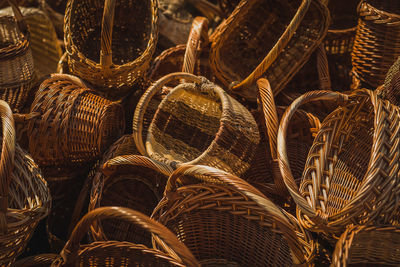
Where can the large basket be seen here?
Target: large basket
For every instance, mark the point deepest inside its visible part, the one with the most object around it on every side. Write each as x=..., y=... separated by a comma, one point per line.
x=24, y=196
x=117, y=253
x=69, y=124
x=134, y=182
x=197, y=123
x=368, y=246
x=351, y=174
x=110, y=53
x=377, y=43
x=225, y=221
x=284, y=42
x=17, y=73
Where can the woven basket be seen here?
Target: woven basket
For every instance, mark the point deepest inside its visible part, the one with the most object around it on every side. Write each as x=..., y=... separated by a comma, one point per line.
x=284, y=42
x=117, y=253
x=377, y=42
x=197, y=123
x=221, y=218
x=134, y=182
x=25, y=198
x=124, y=45
x=391, y=88
x=69, y=124
x=351, y=172
x=227, y=6
x=42, y=260
x=16, y=63
x=368, y=246
x=55, y=9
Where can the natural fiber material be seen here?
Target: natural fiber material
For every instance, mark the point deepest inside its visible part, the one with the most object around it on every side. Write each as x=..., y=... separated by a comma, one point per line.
x=284, y=42
x=351, y=175
x=110, y=50
x=368, y=246
x=16, y=63
x=391, y=89
x=134, y=182
x=42, y=260
x=377, y=43
x=24, y=196
x=116, y=253
x=70, y=124
x=55, y=9
x=197, y=123
x=223, y=219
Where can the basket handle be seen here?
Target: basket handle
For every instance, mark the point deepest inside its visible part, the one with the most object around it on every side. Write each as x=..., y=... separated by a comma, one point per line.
x=23, y=27
x=137, y=125
x=107, y=24
x=282, y=150
x=278, y=47
x=323, y=68
x=6, y=161
x=70, y=251
x=198, y=33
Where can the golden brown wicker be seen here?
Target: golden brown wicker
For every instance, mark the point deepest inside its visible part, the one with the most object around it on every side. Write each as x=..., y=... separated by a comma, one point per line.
x=117, y=253
x=24, y=196
x=223, y=219
x=377, y=42
x=131, y=181
x=110, y=53
x=69, y=124
x=197, y=123
x=351, y=174
x=17, y=72
x=42, y=260
x=368, y=246
x=391, y=88
x=55, y=9
x=284, y=42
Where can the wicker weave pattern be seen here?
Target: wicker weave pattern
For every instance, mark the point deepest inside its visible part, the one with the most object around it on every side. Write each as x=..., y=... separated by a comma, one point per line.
x=391, y=89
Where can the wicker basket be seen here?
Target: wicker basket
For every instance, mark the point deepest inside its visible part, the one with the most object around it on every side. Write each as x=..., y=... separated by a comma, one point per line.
x=55, y=9
x=197, y=123
x=368, y=246
x=391, y=88
x=117, y=253
x=284, y=41
x=134, y=182
x=221, y=218
x=69, y=124
x=42, y=260
x=17, y=73
x=351, y=172
x=124, y=45
x=377, y=42
x=25, y=198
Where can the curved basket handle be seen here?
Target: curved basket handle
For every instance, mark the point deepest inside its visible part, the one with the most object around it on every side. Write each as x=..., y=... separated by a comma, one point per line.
x=23, y=27
x=198, y=32
x=137, y=125
x=278, y=47
x=283, y=158
x=70, y=251
x=107, y=24
x=6, y=161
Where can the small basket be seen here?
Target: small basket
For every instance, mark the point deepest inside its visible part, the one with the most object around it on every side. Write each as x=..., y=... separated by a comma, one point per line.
x=351, y=172
x=223, y=219
x=197, y=123
x=134, y=182
x=17, y=74
x=124, y=45
x=25, y=197
x=284, y=42
x=377, y=42
x=69, y=124
x=368, y=246
x=117, y=253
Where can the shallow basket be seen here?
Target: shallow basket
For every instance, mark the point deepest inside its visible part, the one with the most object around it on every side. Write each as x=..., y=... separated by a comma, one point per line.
x=110, y=53
x=283, y=42
x=351, y=172
x=197, y=123
x=222, y=219
x=25, y=197
x=118, y=253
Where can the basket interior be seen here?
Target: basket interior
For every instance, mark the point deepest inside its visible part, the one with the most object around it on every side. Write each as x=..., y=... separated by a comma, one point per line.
x=131, y=30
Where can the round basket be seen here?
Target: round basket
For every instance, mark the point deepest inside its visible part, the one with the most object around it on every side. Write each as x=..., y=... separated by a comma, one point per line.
x=351, y=172
x=223, y=219
x=24, y=195
x=117, y=253
x=197, y=123
x=110, y=53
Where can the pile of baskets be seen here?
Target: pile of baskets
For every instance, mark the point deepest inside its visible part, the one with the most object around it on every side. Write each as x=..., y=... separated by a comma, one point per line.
x=199, y=132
